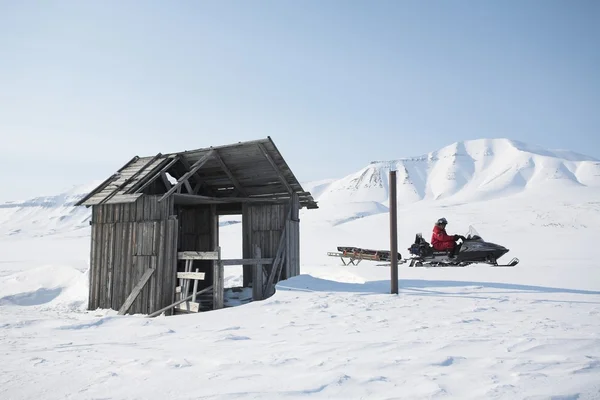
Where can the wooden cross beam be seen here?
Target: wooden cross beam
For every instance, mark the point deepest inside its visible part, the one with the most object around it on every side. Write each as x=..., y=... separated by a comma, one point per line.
x=200, y=182
x=183, y=198
x=275, y=167
x=194, y=168
x=235, y=182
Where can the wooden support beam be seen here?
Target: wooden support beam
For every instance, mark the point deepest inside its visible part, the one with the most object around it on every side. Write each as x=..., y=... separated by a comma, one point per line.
x=183, y=198
x=218, y=282
x=232, y=178
x=197, y=165
x=258, y=277
x=154, y=314
x=200, y=182
x=188, y=187
x=248, y=261
x=136, y=291
x=275, y=167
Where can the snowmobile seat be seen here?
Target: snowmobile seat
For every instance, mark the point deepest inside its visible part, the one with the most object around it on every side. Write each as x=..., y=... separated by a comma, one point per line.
x=420, y=247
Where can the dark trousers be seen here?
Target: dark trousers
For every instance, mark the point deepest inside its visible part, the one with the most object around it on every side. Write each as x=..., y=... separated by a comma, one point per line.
x=456, y=249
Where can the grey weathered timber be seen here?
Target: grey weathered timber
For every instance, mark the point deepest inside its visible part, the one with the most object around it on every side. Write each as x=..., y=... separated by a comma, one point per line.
x=233, y=179
x=155, y=175
x=275, y=167
x=198, y=255
x=136, y=291
x=189, y=306
x=218, y=283
x=109, y=180
x=191, y=275
x=197, y=165
x=258, y=276
x=247, y=261
x=200, y=181
x=158, y=312
x=277, y=265
x=130, y=179
x=191, y=199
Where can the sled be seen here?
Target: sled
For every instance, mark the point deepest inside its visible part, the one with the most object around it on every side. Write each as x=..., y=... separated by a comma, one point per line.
x=355, y=255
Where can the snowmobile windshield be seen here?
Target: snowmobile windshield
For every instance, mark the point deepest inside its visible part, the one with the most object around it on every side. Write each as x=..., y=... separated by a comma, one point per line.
x=473, y=234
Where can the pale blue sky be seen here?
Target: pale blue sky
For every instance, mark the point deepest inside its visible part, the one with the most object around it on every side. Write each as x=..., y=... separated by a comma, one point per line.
x=86, y=85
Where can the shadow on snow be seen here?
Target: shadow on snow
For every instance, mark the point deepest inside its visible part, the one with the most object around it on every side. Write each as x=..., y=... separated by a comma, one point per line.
x=421, y=286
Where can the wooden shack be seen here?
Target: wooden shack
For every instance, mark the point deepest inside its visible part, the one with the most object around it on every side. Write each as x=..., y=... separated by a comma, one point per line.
x=155, y=232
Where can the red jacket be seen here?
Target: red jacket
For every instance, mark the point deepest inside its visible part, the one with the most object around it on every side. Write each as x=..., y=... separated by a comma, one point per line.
x=440, y=240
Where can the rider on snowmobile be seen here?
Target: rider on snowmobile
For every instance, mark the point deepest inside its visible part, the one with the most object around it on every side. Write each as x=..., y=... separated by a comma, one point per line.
x=441, y=241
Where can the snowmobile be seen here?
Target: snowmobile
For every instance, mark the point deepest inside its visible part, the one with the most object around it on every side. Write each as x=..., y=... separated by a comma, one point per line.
x=472, y=250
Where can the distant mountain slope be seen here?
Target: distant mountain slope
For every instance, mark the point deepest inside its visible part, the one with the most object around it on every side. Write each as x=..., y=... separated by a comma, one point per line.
x=46, y=215
x=465, y=171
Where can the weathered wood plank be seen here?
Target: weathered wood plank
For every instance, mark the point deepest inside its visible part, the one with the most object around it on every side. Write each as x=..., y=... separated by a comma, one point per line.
x=197, y=165
x=247, y=249
x=218, y=283
x=153, y=176
x=123, y=184
x=109, y=264
x=131, y=278
x=158, y=312
x=191, y=275
x=92, y=303
x=102, y=266
x=247, y=261
x=174, y=229
x=118, y=267
x=136, y=291
x=190, y=306
x=258, y=276
x=198, y=255
x=227, y=171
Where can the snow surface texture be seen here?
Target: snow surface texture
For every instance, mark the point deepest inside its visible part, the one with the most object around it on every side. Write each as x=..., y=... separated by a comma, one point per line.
x=529, y=332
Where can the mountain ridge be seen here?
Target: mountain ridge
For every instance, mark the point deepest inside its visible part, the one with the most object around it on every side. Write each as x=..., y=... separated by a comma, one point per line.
x=470, y=170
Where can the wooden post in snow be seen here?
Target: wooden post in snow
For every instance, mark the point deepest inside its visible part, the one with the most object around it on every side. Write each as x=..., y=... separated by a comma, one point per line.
x=393, y=234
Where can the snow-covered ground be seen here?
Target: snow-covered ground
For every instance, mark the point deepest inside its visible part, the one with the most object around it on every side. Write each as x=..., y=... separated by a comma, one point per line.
x=529, y=332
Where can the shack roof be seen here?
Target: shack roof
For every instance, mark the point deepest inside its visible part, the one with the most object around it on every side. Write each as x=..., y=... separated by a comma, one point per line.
x=253, y=169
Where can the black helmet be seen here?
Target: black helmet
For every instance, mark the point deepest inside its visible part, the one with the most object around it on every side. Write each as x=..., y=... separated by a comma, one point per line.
x=442, y=221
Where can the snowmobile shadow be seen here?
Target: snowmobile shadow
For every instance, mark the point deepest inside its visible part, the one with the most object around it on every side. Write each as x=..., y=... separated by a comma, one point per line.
x=423, y=287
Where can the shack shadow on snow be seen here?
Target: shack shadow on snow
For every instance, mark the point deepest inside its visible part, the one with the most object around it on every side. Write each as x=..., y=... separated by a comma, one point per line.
x=424, y=287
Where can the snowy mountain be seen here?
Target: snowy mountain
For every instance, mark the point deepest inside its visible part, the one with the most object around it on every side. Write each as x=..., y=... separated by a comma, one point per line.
x=461, y=172
x=466, y=171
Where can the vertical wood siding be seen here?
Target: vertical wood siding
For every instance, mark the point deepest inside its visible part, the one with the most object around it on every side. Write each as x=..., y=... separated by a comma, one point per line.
x=128, y=239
